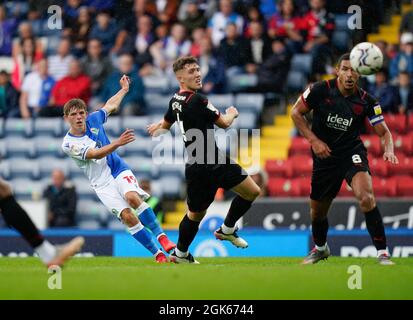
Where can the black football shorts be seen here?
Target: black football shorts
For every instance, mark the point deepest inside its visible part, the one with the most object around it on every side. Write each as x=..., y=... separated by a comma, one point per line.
x=203, y=181
x=328, y=174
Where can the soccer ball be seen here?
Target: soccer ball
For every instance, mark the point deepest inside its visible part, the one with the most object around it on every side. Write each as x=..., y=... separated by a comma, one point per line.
x=366, y=58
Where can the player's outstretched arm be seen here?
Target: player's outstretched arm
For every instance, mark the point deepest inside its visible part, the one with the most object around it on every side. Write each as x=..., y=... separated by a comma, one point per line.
x=384, y=133
x=113, y=103
x=126, y=137
x=320, y=148
x=156, y=129
x=225, y=120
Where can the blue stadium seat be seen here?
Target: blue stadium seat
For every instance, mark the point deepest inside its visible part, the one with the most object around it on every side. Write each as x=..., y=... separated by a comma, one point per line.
x=157, y=103
x=249, y=101
x=246, y=120
x=48, y=126
x=74, y=170
x=340, y=21
x=172, y=167
x=156, y=84
x=91, y=209
x=237, y=83
x=142, y=146
x=113, y=126
x=47, y=164
x=27, y=189
x=18, y=127
x=83, y=188
x=171, y=187
x=24, y=168
x=5, y=169
x=302, y=62
x=221, y=101
x=19, y=147
x=296, y=81
x=48, y=146
x=142, y=167
x=341, y=40
x=138, y=124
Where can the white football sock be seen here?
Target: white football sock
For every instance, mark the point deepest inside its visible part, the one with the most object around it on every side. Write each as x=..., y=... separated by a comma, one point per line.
x=384, y=251
x=227, y=230
x=46, y=251
x=322, y=248
x=181, y=254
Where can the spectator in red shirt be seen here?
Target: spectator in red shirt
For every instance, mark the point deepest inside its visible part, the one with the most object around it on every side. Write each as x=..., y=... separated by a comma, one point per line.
x=285, y=25
x=74, y=85
x=318, y=25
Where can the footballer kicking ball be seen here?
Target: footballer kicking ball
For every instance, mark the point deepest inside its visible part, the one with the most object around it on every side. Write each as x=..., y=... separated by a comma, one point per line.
x=366, y=58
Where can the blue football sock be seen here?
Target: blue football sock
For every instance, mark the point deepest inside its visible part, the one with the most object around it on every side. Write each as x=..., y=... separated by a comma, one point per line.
x=148, y=219
x=144, y=237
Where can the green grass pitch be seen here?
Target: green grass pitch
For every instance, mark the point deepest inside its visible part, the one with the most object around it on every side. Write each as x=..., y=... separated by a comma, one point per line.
x=214, y=278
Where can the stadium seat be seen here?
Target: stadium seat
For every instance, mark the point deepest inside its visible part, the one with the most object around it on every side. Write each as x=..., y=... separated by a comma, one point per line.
x=142, y=167
x=305, y=186
x=74, y=170
x=299, y=146
x=404, y=143
x=83, y=188
x=18, y=127
x=280, y=187
x=302, y=62
x=301, y=165
x=5, y=169
x=87, y=208
x=239, y=82
x=384, y=187
x=341, y=40
x=405, y=166
x=27, y=189
x=396, y=122
x=373, y=144
x=48, y=126
x=340, y=21
x=113, y=126
x=171, y=187
x=221, y=101
x=296, y=81
x=142, y=146
x=156, y=84
x=172, y=168
x=246, y=120
x=24, y=168
x=405, y=186
x=2, y=126
x=138, y=124
x=47, y=164
x=48, y=146
x=378, y=167
x=157, y=104
x=19, y=147
x=345, y=190
x=279, y=168
x=410, y=122
x=249, y=101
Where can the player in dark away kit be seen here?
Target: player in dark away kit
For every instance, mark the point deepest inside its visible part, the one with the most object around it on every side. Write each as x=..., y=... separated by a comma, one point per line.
x=207, y=168
x=339, y=110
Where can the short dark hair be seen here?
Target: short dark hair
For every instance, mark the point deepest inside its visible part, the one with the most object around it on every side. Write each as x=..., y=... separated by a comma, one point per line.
x=344, y=57
x=180, y=63
x=74, y=104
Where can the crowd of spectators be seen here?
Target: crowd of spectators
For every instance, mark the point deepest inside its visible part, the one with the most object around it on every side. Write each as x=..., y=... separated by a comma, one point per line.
x=102, y=39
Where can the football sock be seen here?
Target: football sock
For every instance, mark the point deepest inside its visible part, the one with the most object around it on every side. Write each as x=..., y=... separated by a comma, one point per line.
x=238, y=208
x=181, y=254
x=375, y=227
x=187, y=231
x=319, y=230
x=148, y=219
x=227, y=230
x=46, y=251
x=16, y=217
x=144, y=237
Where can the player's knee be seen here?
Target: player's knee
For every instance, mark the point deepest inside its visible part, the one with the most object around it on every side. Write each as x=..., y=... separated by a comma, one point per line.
x=317, y=215
x=133, y=199
x=367, y=202
x=255, y=192
x=129, y=218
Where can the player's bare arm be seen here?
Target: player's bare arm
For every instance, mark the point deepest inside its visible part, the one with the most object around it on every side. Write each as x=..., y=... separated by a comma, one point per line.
x=298, y=112
x=126, y=137
x=225, y=120
x=113, y=103
x=384, y=133
x=158, y=128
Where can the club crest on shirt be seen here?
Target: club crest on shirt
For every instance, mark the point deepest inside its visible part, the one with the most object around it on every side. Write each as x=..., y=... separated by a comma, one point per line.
x=357, y=109
x=95, y=131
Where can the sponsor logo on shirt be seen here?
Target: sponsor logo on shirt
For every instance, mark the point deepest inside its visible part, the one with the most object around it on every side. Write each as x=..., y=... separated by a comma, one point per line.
x=95, y=131
x=179, y=97
x=377, y=110
x=336, y=122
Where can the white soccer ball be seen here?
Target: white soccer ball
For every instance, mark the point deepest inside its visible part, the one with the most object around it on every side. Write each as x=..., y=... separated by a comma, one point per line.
x=366, y=58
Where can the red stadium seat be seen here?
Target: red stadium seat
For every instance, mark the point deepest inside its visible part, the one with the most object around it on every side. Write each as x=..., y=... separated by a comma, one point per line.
x=372, y=144
x=410, y=123
x=305, y=186
x=404, y=143
x=300, y=145
x=405, y=166
x=384, y=187
x=302, y=165
x=405, y=186
x=279, y=187
x=345, y=190
x=378, y=167
x=396, y=122
x=279, y=168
